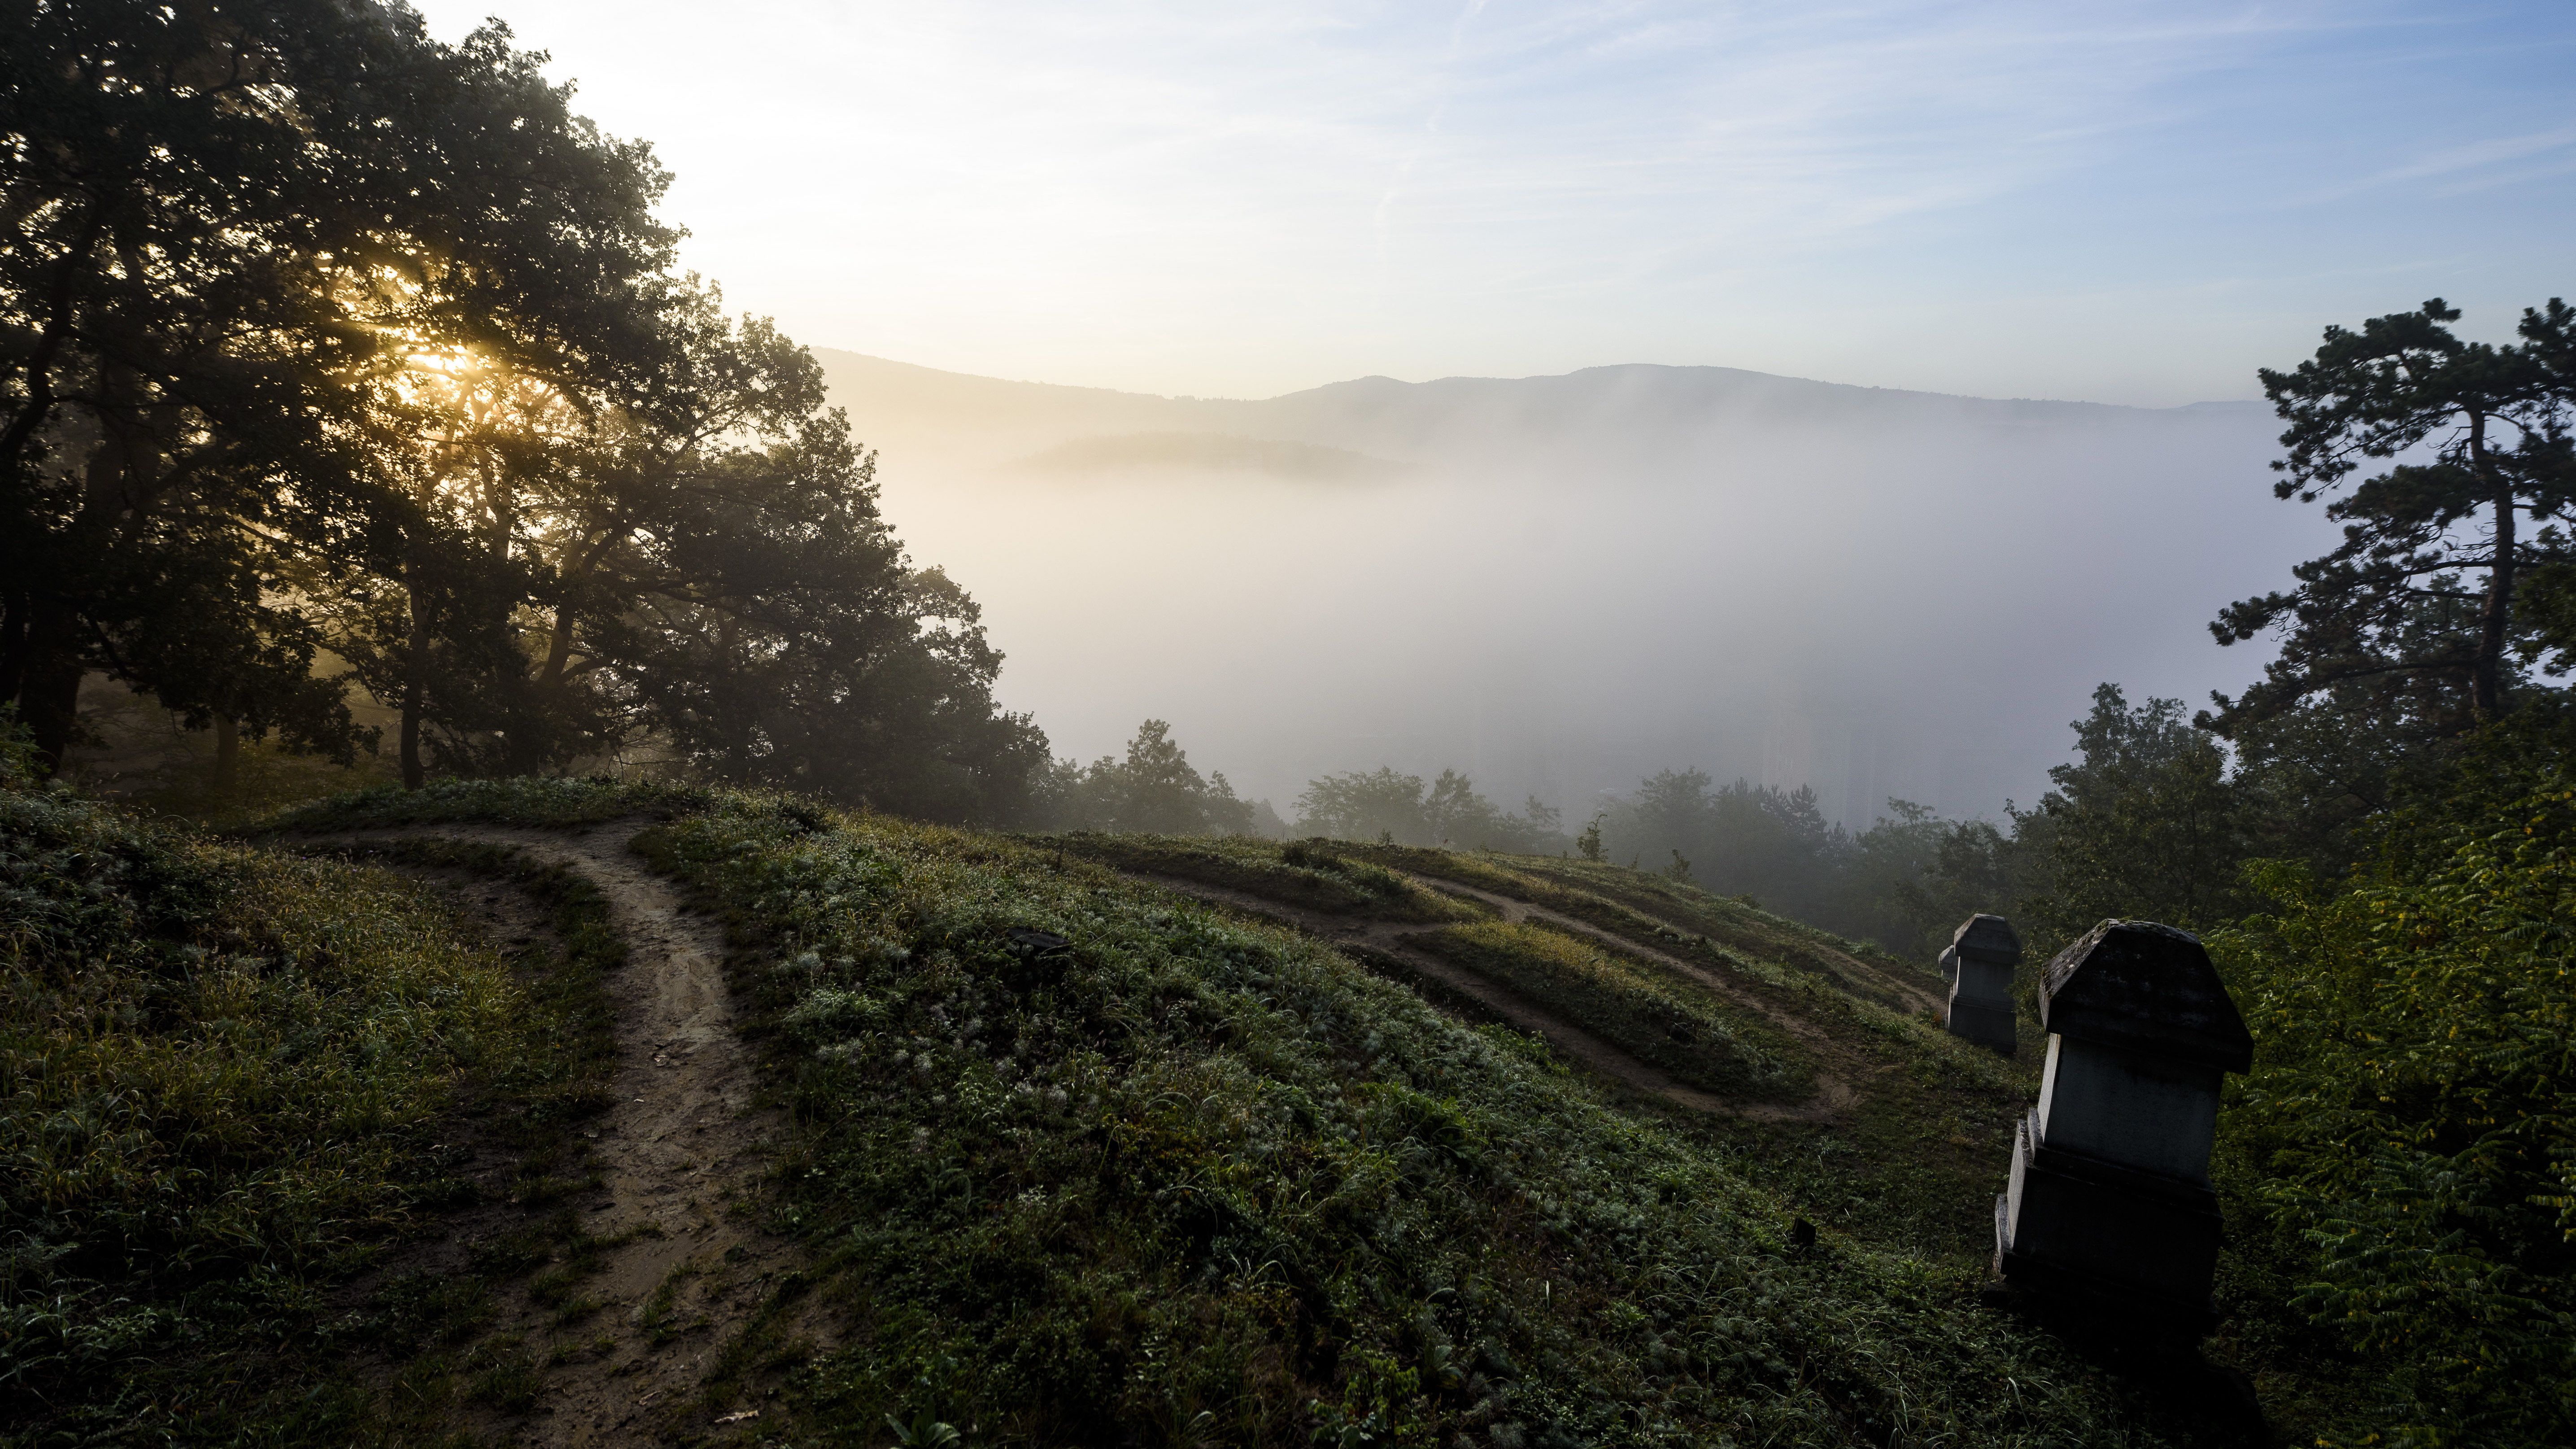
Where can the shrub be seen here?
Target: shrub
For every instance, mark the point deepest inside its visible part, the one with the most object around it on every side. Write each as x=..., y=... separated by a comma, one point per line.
x=2408, y=1136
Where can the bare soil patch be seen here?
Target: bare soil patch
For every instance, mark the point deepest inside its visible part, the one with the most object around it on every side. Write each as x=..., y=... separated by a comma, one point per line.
x=671, y=1260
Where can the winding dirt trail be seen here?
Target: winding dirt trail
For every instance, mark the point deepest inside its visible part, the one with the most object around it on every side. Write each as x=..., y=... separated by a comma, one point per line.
x=1599, y=1054
x=677, y=1155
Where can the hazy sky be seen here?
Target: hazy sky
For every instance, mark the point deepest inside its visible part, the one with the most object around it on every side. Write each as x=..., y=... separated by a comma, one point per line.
x=2117, y=202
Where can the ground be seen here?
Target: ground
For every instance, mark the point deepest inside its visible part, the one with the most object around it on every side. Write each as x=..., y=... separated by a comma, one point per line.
x=849, y=1130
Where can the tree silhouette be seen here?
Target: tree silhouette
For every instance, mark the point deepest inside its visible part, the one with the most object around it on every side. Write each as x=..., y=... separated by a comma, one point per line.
x=2478, y=444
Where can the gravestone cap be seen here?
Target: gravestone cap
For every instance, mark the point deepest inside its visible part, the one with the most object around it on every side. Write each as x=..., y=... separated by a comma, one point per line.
x=1987, y=938
x=2147, y=988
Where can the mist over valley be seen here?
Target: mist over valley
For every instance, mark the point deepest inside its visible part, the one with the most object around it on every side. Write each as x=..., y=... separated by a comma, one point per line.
x=1561, y=584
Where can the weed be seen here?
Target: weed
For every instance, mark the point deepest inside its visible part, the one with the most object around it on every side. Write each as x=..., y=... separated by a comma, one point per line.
x=501, y=1375
x=1702, y=1040
x=229, y=1079
x=655, y=1316
x=1314, y=874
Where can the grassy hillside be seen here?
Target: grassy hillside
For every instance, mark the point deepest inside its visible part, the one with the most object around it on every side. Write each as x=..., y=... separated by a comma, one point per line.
x=230, y=1080
x=1895, y=1131
x=1194, y=1177
x=1198, y=1174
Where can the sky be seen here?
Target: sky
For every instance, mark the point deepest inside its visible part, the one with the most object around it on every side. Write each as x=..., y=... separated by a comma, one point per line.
x=2112, y=202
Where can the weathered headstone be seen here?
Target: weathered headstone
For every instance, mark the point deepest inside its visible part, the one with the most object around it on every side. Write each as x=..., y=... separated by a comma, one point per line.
x=1980, y=965
x=2109, y=1199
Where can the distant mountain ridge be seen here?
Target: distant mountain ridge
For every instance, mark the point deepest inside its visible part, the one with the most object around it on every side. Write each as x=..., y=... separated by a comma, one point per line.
x=1206, y=452
x=993, y=422
x=1573, y=581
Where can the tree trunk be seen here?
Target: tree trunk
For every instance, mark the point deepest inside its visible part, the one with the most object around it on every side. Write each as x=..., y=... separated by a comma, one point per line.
x=2486, y=686
x=15, y=606
x=577, y=566
x=54, y=656
x=500, y=510
x=558, y=650
x=61, y=307
x=415, y=695
x=49, y=697
x=227, y=753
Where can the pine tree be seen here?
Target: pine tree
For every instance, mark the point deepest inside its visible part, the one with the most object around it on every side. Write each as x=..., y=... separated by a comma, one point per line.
x=2416, y=609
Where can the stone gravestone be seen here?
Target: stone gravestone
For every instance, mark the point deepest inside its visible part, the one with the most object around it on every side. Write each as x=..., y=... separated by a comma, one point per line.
x=1980, y=965
x=2109, y=1200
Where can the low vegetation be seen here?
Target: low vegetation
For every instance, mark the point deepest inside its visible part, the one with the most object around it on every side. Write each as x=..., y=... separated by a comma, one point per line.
x=229, y=1080
x=1190, y=1177
x=1702, y=1041
x=1314, y=875
x=1911, y=1165
x=1073, y=1157
x=2400, y=1167
x=1729, y=931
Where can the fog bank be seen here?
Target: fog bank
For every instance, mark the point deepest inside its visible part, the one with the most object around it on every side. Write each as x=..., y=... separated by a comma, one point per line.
x=1559, y=584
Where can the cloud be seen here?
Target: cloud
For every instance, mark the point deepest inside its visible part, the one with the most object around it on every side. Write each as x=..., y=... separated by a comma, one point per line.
x=1250, y=198
x=2476, y=165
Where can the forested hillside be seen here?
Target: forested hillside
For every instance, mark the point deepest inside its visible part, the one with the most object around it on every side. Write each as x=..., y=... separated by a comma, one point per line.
x=338, y=359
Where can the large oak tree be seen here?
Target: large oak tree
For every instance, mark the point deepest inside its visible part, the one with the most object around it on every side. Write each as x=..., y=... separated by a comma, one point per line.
x=321, y=339
x=229, y=229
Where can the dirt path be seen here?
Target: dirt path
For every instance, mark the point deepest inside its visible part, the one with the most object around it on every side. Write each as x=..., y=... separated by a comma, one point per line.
x=680, y=1148
x=1599, y=1054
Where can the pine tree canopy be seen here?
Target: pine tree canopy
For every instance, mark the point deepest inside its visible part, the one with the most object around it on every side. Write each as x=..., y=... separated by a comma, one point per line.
x=2417, y=607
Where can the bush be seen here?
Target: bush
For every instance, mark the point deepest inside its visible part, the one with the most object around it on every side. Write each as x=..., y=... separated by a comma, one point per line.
x=2407, y=1140
x=218, y=1072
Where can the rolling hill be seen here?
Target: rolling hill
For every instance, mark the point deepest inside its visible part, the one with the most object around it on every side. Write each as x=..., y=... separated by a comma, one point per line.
x=1044, y=1140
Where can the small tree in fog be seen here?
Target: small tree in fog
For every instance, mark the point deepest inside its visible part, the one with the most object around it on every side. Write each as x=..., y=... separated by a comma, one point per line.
x=2147, y=823
x=1231, y=814
x=1744, y=837
x=1362, y=806
x=1153, y=789
x=1159, y=792
x=1455, y=814
x=1402, y=809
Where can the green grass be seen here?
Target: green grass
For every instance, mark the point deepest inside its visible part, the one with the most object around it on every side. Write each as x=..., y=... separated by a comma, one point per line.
x=1912, y=1166
x=226, y=1075
x=1197, y=1179
x=270, y=779
x=553, y=803
x=1677, y=913
x=1201, y=1180
x=1313, y=875
x=1703, y=1040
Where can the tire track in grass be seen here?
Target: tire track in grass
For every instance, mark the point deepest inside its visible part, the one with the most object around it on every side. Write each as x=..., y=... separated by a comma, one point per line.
x=1588, y=1049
